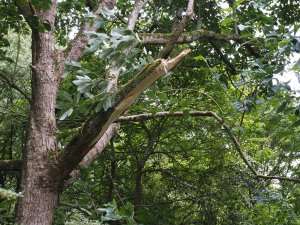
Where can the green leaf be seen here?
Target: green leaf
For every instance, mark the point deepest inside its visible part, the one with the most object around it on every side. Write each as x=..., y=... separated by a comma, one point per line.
x=127, y=210
x=227, y=21
x=106, y=53
x=229, y=9
x=125, y=44
x=238, y=2
x=200, y=57
x=116, y=56
x=65, y=74
x=109, y=101
x=186, y=114
x=66, y=114
x=66, y=95
x=106, y=12
x=120, y=62
x=281, y=107
x=73, y=64
x=296, y=66
x=241, y=129
x=151, y=94
x=101, y=23
x=296, y=124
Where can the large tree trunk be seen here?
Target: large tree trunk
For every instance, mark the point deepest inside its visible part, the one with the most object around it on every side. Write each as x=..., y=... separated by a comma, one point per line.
x=40, y=184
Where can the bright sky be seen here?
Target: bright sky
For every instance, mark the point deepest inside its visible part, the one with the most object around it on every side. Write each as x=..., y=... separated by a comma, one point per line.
x=290, y=75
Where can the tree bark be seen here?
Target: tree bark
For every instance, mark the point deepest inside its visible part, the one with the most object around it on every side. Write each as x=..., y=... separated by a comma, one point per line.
x=138, y=190
x=40, y=184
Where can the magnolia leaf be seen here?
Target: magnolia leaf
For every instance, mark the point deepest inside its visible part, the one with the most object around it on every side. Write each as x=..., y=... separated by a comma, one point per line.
x=66, y=114
x=73, y=64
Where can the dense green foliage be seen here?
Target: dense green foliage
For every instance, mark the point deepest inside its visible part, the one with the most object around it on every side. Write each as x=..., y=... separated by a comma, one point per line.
x=181, y=170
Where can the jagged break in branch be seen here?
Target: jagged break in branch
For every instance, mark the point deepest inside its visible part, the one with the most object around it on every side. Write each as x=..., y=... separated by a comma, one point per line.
x=96, y=126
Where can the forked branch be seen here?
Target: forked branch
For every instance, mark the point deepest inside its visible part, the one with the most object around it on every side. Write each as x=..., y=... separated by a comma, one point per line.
x=178, y=31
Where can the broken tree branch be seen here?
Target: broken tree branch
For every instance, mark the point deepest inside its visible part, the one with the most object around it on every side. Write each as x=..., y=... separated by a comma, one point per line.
x=112, y=78
x=97, y=125
x=100, y=145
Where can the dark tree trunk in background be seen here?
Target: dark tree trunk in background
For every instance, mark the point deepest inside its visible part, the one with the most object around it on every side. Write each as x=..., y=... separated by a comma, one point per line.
x=137, y=195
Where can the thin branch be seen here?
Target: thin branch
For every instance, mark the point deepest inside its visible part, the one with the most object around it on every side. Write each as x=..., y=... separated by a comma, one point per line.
x=79, y=43
x=178, y=31
x=4, y=78
x=81, y=209
x=230, y=66
x=278, y=178
x=149, y=116
x=135, y=13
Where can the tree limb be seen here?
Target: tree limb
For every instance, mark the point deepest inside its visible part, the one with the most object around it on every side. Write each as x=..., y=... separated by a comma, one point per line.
x=81, y=209
x=100, y=145
x=112, y=78
x=79, y=43
x=4, y=78
x=278, y=178
x=149, y=116
x=15, y=165
x=10, y=165
x=96, y=126
x=135, y=13
x=230, y=66
x=186, y=37
x=178, y=31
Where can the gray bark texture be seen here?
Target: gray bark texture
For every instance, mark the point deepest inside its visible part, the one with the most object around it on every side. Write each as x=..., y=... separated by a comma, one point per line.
x=39, y=183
